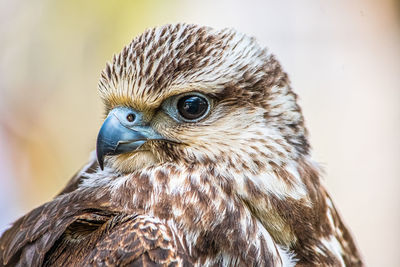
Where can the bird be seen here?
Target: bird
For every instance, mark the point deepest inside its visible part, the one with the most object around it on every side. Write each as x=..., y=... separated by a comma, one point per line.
x=203, y=159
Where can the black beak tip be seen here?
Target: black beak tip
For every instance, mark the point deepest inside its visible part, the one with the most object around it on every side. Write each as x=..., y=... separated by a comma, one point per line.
x=101, y=164
x=100, y=159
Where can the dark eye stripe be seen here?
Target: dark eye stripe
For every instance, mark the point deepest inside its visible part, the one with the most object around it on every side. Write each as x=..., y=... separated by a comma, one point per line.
x=192, y=107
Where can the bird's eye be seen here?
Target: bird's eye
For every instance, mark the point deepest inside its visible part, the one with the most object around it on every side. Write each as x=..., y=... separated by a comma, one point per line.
x=130, y=117
x=192, y=107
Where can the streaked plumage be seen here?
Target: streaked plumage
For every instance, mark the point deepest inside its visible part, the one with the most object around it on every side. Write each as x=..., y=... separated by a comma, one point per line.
x=235, y=187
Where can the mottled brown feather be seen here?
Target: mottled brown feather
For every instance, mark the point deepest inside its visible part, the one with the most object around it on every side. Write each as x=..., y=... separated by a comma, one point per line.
x=71, y=230
x=238, y=188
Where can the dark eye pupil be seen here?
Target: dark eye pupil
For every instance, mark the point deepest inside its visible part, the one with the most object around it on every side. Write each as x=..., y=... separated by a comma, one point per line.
x=130, y=117
x=192, y=107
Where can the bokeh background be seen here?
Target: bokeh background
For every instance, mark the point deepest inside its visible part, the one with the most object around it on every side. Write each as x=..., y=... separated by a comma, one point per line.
x=343, y=58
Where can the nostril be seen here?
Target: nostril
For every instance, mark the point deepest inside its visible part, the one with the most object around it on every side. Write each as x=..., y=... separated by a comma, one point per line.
x=131, y=117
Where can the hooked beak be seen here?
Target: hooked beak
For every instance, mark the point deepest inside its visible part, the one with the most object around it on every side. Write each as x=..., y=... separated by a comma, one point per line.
x=123, y=131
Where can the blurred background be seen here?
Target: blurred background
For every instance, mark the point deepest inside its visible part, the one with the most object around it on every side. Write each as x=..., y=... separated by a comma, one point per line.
x=343, y=58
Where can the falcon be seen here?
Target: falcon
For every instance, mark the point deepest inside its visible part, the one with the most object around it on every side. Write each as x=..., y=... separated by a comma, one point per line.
x=203, y=159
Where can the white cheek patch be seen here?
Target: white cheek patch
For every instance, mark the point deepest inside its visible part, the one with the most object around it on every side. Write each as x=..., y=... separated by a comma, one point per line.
x=227, y=142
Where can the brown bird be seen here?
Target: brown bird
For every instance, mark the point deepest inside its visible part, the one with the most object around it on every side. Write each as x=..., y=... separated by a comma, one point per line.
x=203, y=159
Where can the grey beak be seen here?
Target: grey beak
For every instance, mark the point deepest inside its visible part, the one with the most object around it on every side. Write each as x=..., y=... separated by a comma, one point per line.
x=122, y=131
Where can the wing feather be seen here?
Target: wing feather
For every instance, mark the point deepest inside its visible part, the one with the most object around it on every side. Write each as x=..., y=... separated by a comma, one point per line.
x=71, y=229
x=41, y=228
x=137, y=241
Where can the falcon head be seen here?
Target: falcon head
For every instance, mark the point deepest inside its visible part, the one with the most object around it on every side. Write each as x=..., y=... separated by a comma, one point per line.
x=194, y=95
